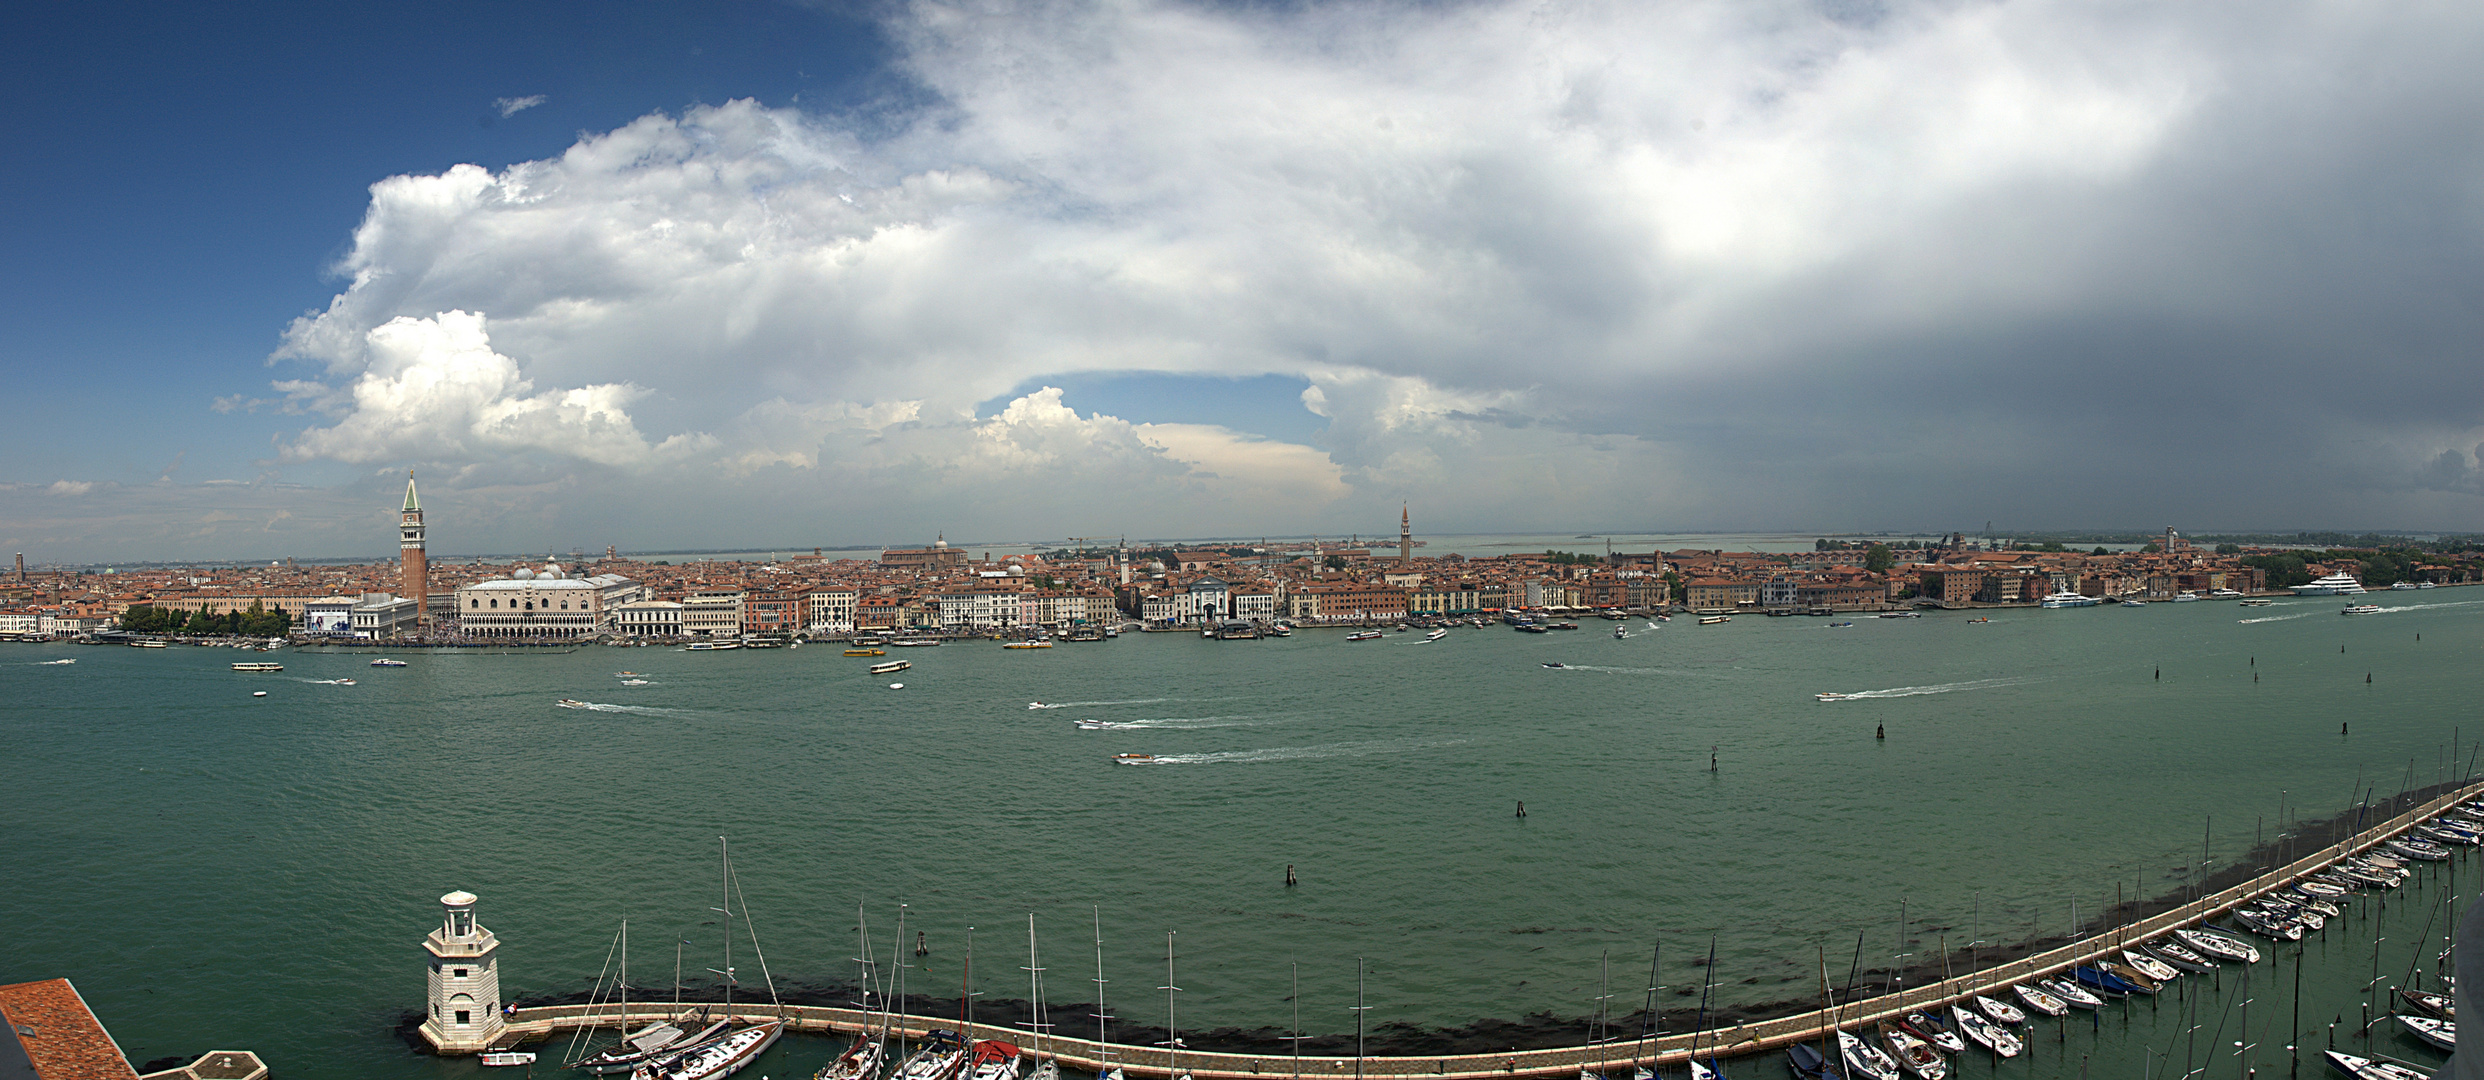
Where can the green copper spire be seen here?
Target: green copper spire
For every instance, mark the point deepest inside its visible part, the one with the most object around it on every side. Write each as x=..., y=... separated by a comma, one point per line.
x=411, y=503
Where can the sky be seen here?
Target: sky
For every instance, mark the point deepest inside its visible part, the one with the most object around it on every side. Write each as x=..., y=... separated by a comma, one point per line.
x=720, y=275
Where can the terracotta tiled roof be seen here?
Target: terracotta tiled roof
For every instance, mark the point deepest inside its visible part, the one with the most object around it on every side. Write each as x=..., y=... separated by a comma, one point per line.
x=61, y=1036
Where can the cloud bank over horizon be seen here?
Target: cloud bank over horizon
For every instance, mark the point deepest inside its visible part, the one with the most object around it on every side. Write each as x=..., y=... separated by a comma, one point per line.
x=1701, y=265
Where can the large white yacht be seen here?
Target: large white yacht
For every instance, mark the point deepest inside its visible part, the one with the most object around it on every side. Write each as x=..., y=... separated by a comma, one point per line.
x=2338, y=584
x=2069, y=599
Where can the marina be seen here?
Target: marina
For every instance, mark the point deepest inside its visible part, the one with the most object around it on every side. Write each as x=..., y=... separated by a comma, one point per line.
x=2028, y=764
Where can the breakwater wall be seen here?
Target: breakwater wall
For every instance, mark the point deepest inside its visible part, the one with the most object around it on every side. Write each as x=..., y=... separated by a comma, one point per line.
x=1741, y=1039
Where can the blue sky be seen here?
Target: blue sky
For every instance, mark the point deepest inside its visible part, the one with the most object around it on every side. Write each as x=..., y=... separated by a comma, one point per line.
x=703, y=275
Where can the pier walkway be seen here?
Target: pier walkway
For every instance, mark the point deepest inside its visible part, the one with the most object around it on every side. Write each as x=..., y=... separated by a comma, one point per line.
x=1615, y=1059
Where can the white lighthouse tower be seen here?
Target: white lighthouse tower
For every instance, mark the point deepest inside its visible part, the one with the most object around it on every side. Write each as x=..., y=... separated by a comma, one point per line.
x=465, y=980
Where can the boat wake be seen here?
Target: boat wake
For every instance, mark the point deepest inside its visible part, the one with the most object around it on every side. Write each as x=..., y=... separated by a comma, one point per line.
x=597, y=706
x=50, y=663
x=2276, y=618
x=1296, y=753
x=637, y=682
x=1091, y=704
x=1170, y=722
x=327, y=682
x=2427, y=607
x=1942, y=688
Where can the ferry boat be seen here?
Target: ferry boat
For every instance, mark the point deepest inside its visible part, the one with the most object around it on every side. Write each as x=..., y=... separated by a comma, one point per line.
x=2258, y=601
x=2407, y=586
x=2223, y=594
x=1028, y=645
x=385, y=662
x=1363, y=635
x=1443, y=632
x=2361, y=609
x=866, y=652
x=711, y=646
x=2338, y=584
x=1712, y=620
x=2069, y=599
x=891, y=667
x=915, y=643
x=146, y=644
x=260, y=665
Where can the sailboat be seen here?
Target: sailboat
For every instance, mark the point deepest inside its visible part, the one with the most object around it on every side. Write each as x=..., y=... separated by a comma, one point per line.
x=1172, y=1041
x=726, y=1054
x=862, y=1060
x=1710, y=1069
x=1105, y=1069
x=1604, y=998
x=636, y=1047
x=1045, y=1068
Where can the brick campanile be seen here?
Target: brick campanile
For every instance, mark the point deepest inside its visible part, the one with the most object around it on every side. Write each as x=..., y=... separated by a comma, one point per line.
x=417, y=567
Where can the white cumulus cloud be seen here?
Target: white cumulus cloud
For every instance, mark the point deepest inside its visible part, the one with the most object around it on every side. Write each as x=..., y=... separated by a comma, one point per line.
x=511, y=106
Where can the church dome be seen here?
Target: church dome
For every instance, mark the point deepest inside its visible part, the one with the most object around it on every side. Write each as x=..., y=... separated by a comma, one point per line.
x=524, y=574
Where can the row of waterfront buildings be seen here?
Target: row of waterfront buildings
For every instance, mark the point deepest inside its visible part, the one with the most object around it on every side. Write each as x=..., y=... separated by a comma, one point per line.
x=940, y=588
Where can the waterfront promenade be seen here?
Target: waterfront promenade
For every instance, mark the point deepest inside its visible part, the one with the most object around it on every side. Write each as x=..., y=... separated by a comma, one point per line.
x=533, y=1024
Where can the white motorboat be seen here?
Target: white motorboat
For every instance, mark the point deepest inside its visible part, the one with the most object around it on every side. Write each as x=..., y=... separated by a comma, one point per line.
x=506, y=1057
x=891, y=667
x=261, y=666
x=2069, y=599
x=2361, y=609
x=2404, y=586
x=2223, y=594
x=2186, y=596
x=2258, y=601
x=2134, y=603
x=2338, y=584
x=385, y=662
x=1437, y=634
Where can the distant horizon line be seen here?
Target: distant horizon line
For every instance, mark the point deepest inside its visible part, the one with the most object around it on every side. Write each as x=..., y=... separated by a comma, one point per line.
x=1375, y=541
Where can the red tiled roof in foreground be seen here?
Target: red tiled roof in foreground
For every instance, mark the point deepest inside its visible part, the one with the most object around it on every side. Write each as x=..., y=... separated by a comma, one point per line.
x=60, y=1034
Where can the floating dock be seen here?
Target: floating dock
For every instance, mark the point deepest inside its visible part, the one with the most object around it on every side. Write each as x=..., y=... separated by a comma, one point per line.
x=1739, y=1040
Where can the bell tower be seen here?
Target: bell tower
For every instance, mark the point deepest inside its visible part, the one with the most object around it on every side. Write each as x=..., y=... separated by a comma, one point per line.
x=1405, y=534
x=416, y=567
x=465, y=980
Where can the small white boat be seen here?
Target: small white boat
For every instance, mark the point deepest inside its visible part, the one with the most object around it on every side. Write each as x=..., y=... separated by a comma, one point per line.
x=1134, y=759
x=385, y=662
x=48, y=663
x=2440, y=1033
x=2220, y=946
x=1363, y=635
x=892, y=667
x=1712, y=620
x=258, y=666
x=2363, y=1068
x=2134, y=603
x=2000, y=1011
x=1833, y=697
x=2185, y=597
x=1916, y=1055
x=1028, y=645
x=258, y=693
x=572, y=703
x=2258, y=601
x=506, y=1057
x=1443, y=632
x=2361, y=609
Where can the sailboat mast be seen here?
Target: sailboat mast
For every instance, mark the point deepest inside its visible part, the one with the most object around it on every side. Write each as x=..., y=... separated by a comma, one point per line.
x=625, y=978
x=1034, y=990
x=1103, y=1049
x=896, y=950
x=1172, y=1041
x=725, y=853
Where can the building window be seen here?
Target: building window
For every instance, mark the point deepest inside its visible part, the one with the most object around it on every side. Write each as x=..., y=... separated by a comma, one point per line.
x=464, y=1016
x=473, y=603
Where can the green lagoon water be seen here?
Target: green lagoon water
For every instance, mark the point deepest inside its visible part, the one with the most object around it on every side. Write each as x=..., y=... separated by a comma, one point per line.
x=215, y=870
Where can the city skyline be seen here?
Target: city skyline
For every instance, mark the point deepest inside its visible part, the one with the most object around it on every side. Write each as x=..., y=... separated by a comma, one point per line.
x=694, y=276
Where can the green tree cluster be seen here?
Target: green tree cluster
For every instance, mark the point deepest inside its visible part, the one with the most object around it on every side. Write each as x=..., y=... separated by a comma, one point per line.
x=1878, y=559
x=255, y=622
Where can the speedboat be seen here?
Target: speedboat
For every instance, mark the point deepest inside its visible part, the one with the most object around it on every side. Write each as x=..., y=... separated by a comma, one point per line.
x=1134, y=759
x=2442, y=1034
x=2039, y=999
x=2258, y=601
x=385, y=662
x=2339, y=584
x=2363, y=1068
x=2069, y=600
x=2185, y=596
x=1832, y=697
x=2361, y=609
x=572, y=703
x=1363, y=635
x=1443, y=632
x=1618, y=634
